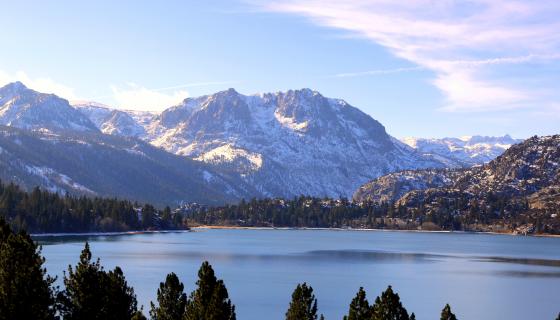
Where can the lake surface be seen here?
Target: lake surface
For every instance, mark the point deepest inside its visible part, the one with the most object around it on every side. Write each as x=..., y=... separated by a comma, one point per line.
x=482, y=276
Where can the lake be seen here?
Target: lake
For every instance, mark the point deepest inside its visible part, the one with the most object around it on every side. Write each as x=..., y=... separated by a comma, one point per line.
x=482, y=276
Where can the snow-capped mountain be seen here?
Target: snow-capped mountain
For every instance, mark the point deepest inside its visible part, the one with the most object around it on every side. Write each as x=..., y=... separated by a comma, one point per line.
x=28, y=109
x=523, y=170
x=97, y=164
x=464, y=151
x=274, y=144
x=111, y=121
x=284, y=143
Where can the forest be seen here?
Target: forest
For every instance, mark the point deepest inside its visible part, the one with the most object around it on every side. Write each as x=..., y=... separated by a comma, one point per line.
x=491, y=213
x=41, y=211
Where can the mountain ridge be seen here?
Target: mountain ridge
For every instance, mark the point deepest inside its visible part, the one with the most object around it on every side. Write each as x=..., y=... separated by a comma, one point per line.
x=280, y=144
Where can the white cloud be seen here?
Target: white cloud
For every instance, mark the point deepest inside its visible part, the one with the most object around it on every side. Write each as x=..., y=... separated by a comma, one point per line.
x=136, y=97
x=457, y=40
x=41, y=84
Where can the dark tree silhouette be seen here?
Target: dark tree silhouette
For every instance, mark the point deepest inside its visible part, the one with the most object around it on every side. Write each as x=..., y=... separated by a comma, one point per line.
x=210, y=301
x=92, y=293
x=171, y=299
x=359, y=307
x=303, y=305
x=389, y=307
x=446, y=313
x=26, y=290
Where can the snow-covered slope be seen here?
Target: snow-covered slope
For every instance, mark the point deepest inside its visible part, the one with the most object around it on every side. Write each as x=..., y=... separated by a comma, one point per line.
x=281, y=144
x=464, y=151
x=97, y=164
x=24, y=108
x=284, y=143
x=111, y=121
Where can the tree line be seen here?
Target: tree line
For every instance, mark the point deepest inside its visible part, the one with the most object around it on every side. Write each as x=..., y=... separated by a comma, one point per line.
x=40, y=211
x=453, y=213
x=91, y=292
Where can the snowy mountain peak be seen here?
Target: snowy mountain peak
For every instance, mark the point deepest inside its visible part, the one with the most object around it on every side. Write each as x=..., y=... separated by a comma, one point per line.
x=464, y=151
x=25, y=108
x=13, y=87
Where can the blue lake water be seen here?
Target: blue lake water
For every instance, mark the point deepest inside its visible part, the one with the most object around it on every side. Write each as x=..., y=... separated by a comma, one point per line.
x=482, y=276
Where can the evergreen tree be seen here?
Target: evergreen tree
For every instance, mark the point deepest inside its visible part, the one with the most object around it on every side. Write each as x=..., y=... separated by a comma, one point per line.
x=558, y=318
x=446, y=313
x=171, y=300
x=92, y=293
x=359, y=307
x=389, y=307
x=303, y=305
x=210, y=300
x=26, y=291
x=120, y=298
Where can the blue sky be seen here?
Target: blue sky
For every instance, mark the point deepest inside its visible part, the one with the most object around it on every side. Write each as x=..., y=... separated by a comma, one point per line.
x=422, y=68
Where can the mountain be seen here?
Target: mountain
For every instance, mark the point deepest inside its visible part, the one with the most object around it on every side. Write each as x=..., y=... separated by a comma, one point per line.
x=279, y=144
x=285, y=143
x=111, y=121
x=96, y=164
x=28, y=109
x=462, y=152
x=525, y=177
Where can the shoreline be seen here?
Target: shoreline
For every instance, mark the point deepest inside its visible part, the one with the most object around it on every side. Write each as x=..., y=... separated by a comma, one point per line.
x=101, y=234
x=210, y=227
x=215, y=227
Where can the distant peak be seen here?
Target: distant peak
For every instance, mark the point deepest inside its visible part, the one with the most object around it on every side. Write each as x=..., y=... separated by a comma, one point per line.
x=306, y=91
x=15, y=86
x=86, y=103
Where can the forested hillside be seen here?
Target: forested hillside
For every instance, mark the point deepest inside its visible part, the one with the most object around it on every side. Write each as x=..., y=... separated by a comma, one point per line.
x=42, y=211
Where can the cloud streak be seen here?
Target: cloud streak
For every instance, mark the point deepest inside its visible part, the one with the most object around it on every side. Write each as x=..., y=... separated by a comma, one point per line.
x=460, y=41
x=375, y=72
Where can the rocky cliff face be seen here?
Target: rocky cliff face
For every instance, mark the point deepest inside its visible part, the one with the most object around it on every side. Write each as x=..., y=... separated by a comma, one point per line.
x=285, y=143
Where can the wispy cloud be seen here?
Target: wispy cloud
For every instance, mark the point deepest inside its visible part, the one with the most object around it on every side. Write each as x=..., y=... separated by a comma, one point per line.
x=375, y=72
x=457, y=40
x=41, y=84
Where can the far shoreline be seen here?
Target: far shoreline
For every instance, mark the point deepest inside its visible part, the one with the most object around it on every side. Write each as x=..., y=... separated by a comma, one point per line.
x=209, y=227
x=215, y=227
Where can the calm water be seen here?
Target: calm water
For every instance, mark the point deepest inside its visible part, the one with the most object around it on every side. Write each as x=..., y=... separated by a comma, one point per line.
x=481, y=276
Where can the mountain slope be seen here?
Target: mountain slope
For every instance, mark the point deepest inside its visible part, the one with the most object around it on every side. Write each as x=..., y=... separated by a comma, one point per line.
x=110, y=121
x=103, y=165
x=522, y=171
x=284, y=143
x=28, y=109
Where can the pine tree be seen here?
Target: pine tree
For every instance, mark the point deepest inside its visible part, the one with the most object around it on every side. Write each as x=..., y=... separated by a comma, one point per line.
x=558, y=318
x=389, y=307
x=171, y=300
x=26, y=291
x=92, y=293
x=120, y=298
x=303, y=305
x=446, y=313
x=210, y=300
x=359, y=307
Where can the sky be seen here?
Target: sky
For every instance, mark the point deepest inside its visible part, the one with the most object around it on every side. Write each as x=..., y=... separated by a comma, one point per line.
x=422, y=68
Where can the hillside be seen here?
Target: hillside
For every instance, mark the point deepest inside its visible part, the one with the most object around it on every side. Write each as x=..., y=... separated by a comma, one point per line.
x=523, y=182
x=95, y=164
